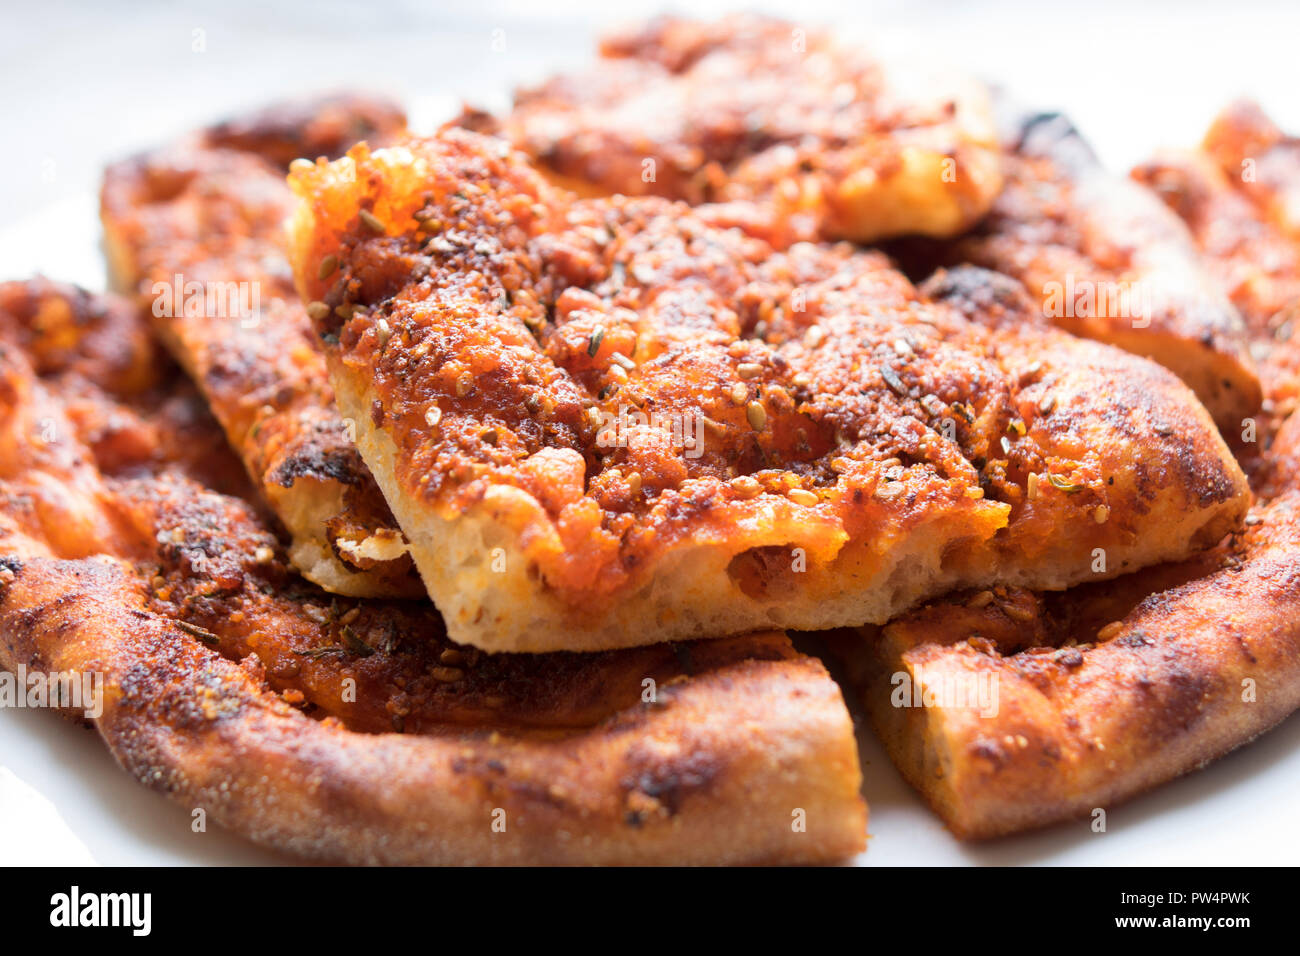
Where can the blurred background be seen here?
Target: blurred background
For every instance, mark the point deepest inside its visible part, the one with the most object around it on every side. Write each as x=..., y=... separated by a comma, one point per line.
x=87, y=81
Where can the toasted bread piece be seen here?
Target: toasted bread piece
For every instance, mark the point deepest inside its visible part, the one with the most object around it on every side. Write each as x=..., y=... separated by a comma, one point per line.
x=751, y=108
x=517, y=362
x=197, y=232
x=1009, y=710
x=1104, y=260
x=352, y=730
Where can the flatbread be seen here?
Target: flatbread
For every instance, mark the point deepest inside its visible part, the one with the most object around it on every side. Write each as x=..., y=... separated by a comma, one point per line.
x=517, y=360
x=829, y=139
x=196, y=232
x=352, y=730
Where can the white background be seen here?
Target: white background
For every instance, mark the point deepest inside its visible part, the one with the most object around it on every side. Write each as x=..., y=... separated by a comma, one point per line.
x=87, y=82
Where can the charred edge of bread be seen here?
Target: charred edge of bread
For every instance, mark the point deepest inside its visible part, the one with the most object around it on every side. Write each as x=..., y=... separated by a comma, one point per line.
x=752, y=744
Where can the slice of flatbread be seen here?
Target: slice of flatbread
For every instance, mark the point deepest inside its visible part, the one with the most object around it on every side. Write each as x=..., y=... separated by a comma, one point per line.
x=826, y=136
x=197, y=232
x=608, y=422
x=352, y=730
x=1009, y=710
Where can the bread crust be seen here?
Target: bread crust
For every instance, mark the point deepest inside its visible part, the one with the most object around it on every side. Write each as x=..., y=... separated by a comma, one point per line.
x=352, y=730
x=208, y=213
x=714, y=775
x=824, y=493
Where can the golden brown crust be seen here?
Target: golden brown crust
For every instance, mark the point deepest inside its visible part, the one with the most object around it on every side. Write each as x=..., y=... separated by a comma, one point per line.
x=208, y=215
x=751, y=108
x=1097, y=694
x=353, y=730
x=717, y=775
x=495, y=339
x=1102, y=258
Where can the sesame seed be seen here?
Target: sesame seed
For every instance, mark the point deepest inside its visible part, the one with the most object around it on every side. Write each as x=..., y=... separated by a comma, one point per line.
x=1017, y=613
x=757, y=416
x=749, y=370
x=264, y=555
x=447, y=675
x=371, y=221
x=1110, y=630
x=464, y=384
x=746, y=486
x=318, y=310
x=739, y=393
x=327, y=267
x=432, y=416
x=1101, y=514
x=801, y=496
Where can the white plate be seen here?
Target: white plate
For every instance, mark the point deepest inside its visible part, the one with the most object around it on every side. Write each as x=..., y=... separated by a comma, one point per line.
x=1135, y=80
